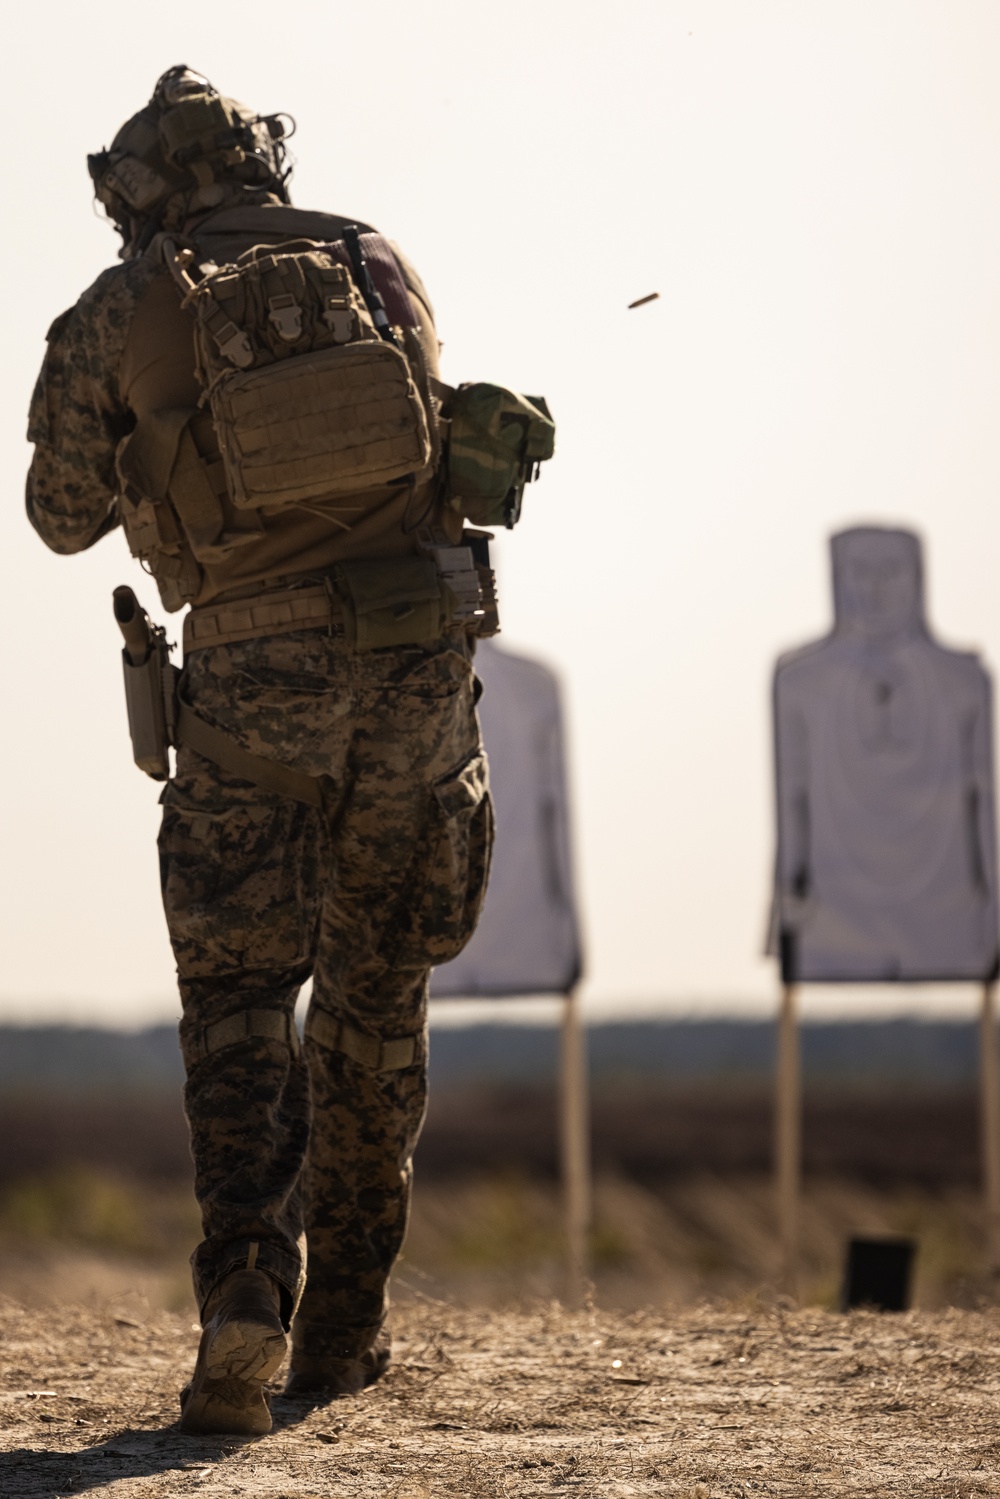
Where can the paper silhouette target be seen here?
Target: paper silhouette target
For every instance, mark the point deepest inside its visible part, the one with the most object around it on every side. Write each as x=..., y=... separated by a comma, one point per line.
x=528, y=941
x=886, y=851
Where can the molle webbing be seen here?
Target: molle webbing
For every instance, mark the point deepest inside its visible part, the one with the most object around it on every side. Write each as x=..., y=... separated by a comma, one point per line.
x=266, y=614
x=272, y=225
x=246, y=1025
x=368, y=1051
x=307, y=400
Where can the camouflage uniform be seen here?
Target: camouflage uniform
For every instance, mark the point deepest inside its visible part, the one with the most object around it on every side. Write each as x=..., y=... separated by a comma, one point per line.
x=365, y=894
x=261, y=891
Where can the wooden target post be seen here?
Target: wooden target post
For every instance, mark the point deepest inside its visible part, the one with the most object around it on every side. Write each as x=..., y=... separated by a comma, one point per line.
x=575, y=1148
x=788, y=1131
x=989, y=1121
x=788, y=1136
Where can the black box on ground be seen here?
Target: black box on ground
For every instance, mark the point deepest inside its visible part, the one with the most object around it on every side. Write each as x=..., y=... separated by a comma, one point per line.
x=878, y=1274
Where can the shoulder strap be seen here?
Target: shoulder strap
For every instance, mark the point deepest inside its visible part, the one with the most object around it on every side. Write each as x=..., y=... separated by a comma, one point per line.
x=278, y=221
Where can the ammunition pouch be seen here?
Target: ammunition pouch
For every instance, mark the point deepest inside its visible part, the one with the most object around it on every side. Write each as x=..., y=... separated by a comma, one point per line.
x=496, y=441
x=391, y=601
x=470, y=583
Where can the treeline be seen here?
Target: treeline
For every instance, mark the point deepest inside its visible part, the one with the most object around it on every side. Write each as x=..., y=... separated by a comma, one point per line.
x=906, y=1052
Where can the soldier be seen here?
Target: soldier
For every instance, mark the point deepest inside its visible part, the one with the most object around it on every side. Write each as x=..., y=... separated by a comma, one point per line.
x=334, y=820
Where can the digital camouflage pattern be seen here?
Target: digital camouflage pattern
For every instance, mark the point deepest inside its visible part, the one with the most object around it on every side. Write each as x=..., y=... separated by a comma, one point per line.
x=260, y=891
x=365, y=894
x=77, y=417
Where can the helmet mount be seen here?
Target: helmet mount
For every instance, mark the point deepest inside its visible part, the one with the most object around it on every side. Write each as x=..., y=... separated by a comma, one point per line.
x=188, y=151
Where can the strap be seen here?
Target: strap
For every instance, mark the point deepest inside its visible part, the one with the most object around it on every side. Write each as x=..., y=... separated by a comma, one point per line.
x=216, y=745
x=265, y=614
x=368, y=1051
x=193, y=496
x=245, y=1025
x=439, y=390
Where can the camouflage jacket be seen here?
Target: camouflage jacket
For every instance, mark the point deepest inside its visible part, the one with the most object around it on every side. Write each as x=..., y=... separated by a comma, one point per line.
x=78, y=416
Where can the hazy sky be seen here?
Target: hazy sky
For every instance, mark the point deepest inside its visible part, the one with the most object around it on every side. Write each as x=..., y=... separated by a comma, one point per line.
x=812, y=188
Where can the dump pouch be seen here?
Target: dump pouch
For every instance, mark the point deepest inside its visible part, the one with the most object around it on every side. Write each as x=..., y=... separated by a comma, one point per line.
x=496, y=441
x=391, y=601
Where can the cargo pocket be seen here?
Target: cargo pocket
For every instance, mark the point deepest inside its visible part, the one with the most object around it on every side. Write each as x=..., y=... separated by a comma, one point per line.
x=454, y=886
x=238, y=885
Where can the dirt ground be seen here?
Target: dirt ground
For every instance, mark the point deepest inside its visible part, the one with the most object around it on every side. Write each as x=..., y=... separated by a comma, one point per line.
x=717, y=1402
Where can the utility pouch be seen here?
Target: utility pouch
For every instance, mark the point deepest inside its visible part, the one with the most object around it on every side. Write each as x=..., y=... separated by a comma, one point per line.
x=391, y=601
x=150, y=686
x=496, y=441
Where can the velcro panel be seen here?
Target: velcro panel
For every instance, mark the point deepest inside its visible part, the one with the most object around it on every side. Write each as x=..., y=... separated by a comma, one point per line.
x=245, y=1025
x=393, y=1055
x=337, y=421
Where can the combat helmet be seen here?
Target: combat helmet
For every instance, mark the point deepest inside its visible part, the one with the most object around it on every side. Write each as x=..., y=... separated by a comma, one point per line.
x=190, y=150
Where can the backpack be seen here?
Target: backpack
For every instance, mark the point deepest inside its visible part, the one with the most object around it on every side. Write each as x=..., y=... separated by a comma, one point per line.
x=308, y=398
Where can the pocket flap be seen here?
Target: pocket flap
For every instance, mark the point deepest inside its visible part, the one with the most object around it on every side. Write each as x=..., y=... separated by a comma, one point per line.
x=463, y=789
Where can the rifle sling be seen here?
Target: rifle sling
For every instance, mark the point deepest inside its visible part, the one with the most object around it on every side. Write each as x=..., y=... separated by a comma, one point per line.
x=216, y=745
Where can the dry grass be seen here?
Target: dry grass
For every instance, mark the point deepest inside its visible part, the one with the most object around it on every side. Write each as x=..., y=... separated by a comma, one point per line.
x=496, y=1240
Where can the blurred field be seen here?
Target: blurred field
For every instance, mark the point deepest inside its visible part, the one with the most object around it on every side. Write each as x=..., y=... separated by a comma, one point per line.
x=95, y=1198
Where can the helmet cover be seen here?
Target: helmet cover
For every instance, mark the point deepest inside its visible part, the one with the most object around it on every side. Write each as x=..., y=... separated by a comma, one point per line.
x=188, y=151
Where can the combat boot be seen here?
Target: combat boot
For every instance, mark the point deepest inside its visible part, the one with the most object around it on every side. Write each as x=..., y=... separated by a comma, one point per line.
x=333, y=1378
x=242, y=1346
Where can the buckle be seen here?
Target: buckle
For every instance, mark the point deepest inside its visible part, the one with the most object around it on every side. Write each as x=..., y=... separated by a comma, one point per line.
x=286, y=315
x=235, y=346
x=339, y=318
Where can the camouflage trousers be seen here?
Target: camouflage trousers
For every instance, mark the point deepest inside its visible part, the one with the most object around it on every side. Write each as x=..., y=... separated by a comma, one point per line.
x=363, y=895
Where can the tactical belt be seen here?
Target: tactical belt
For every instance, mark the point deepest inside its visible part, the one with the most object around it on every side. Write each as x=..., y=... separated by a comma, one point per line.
x=266, y=614
x=247, y=619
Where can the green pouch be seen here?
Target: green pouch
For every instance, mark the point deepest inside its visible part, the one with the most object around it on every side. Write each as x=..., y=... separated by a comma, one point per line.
x=390, y=601
x=496, y=440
